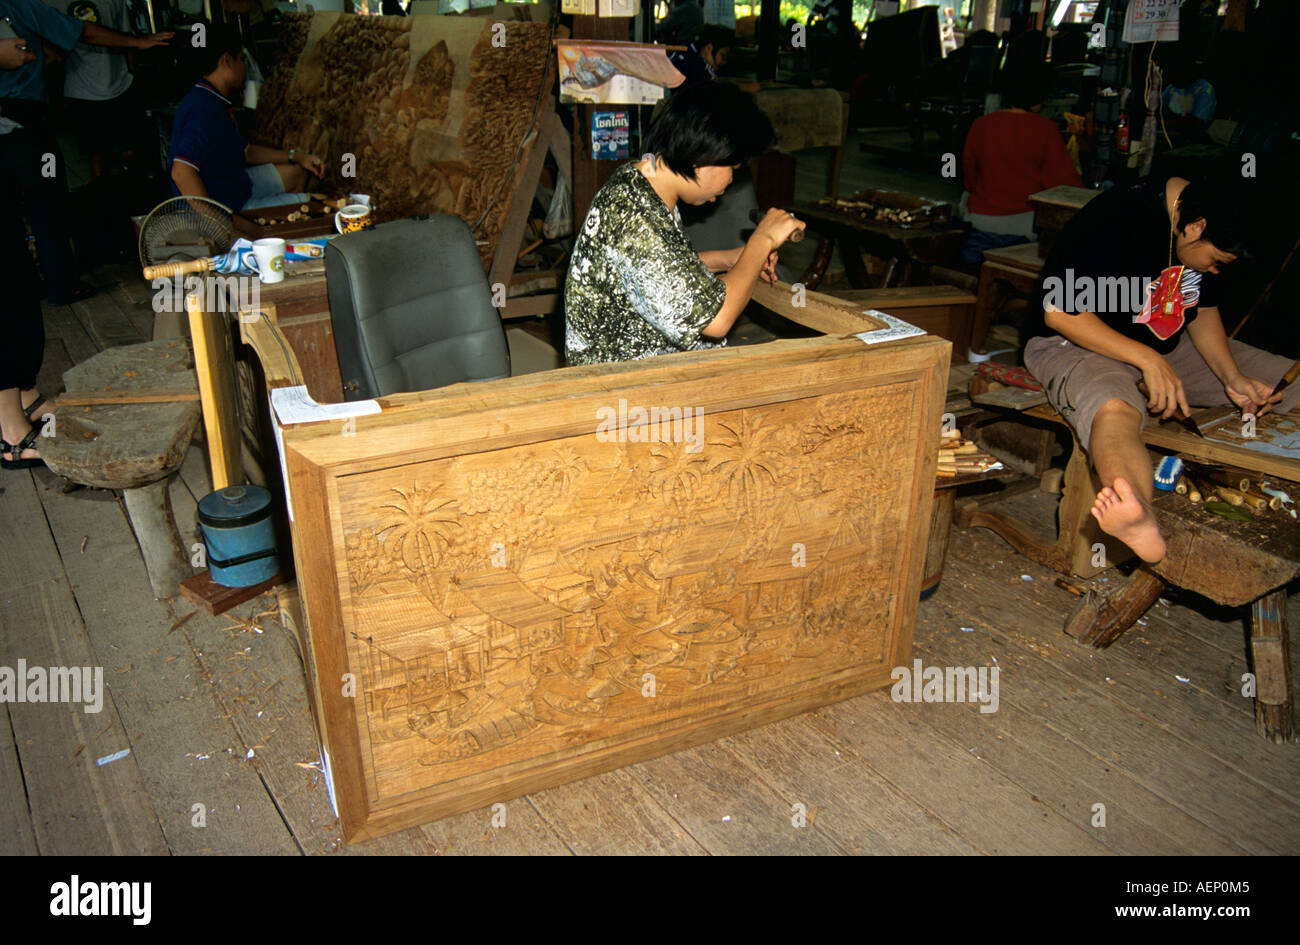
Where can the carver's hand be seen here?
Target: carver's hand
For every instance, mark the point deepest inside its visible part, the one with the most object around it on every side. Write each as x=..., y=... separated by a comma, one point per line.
x=1164, y=390
x=310, y=163
x=769, y=269
x=1251, y=394
x=776, y=227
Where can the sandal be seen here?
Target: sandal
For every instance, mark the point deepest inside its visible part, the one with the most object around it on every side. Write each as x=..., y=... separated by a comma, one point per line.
x=28, y=443
x=32, y=412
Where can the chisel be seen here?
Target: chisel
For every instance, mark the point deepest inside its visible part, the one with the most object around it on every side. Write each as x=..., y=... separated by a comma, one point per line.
x=1186, y=422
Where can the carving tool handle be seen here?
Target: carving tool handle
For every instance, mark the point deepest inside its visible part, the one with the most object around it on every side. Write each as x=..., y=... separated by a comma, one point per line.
x=1183, y=420
x=167, y=270
x=1287, y=378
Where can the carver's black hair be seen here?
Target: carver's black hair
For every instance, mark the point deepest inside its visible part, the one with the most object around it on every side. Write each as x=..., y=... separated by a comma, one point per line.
x=218, y=39
x=1222, y=205
x=1026, y=84
x=710, y=34
x=708, y=124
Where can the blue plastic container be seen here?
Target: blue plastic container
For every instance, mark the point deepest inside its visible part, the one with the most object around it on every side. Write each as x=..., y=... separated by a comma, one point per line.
x=240, y=538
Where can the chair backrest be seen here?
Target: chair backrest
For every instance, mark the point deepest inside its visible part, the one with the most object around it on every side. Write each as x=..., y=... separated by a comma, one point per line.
x=412, y=309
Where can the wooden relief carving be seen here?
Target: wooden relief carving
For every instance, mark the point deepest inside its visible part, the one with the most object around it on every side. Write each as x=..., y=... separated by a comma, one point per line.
x=429, y=107
x=523, y=596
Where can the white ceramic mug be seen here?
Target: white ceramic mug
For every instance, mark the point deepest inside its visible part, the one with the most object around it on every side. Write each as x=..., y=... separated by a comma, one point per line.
x=269, y=253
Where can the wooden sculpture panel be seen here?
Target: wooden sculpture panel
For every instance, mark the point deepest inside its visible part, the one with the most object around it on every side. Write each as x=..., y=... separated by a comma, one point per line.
x=433, y=109
x=522, y=598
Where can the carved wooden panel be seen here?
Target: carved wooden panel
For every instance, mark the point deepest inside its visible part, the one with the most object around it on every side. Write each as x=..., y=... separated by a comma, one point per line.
x=431, y=109
x=523, y=597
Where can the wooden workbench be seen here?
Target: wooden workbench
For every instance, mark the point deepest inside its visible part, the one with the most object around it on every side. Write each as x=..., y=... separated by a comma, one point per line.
x=909, y=250
x=1232, y=563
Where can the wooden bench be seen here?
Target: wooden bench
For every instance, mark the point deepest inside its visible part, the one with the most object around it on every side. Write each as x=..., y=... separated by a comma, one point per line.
x=1231, y=563
x=113, y=431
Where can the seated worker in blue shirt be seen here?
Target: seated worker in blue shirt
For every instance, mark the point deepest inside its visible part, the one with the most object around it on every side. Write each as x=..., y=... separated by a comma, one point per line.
x=705, y=55
x=210, y=158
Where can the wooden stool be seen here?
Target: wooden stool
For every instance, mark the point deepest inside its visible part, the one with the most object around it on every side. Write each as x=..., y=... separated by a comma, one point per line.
x=107, y=434
x=1232, y=563
x=1020, y=265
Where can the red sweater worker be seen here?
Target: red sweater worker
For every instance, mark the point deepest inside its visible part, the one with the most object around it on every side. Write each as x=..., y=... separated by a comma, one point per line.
x=1009, y=155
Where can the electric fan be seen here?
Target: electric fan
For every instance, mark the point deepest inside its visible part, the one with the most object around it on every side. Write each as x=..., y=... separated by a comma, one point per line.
x=185, y=229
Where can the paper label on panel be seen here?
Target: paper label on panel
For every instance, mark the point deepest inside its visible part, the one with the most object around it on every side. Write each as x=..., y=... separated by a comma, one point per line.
x=897, y=329
x=295, y=405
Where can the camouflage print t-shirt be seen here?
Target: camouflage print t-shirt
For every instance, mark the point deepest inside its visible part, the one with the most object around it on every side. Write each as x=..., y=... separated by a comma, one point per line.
x=635, y=287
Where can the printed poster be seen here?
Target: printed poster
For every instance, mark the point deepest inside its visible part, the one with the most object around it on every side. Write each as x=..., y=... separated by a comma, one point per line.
x=610, y=135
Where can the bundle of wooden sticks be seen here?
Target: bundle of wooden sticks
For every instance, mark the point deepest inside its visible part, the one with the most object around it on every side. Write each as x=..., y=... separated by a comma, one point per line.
x=958, y=457
x=1235, y=487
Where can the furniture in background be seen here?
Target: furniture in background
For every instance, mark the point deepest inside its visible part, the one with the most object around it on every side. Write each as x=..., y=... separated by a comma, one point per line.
x=910, y=251
x=1019, y=267
x=1055, y=207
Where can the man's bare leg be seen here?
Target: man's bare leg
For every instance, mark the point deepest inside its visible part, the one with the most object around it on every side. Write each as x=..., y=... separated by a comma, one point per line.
x=293, y=176
x=1123, y=506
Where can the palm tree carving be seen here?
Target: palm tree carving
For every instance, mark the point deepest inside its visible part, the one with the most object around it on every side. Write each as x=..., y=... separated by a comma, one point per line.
x=750, y=468
x=419, y=525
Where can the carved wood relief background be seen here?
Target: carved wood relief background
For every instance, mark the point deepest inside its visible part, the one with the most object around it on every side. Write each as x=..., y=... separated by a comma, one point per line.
x=429, y=107
x=511, y=603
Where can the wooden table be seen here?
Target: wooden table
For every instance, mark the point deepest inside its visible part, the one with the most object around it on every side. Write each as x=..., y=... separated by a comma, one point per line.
x=906, y=249
x=1019, y=265
x=1055, y=207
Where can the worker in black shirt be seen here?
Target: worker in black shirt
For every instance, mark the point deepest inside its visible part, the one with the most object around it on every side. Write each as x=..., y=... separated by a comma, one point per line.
x=1129, y=293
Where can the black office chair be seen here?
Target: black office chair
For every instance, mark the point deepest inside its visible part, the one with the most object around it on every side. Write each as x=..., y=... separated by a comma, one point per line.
x=412, y=309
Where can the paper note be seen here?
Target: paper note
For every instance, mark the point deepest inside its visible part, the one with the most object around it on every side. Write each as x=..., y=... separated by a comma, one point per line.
x=294, y=405
x=897, y=328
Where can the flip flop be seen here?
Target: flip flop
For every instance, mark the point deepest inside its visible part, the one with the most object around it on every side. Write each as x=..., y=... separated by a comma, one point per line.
x=16, y=450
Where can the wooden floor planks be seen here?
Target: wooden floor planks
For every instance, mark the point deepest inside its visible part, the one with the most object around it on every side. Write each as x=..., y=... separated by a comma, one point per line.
x=1177, y=764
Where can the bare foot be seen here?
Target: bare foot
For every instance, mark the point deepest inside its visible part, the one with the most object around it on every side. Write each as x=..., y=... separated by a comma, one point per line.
x=1122, y=514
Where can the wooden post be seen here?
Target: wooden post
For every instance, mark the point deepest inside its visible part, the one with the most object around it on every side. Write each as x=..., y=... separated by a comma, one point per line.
x=214, y=363
x=1270, y=657
x=149, y=507
x=588, y=175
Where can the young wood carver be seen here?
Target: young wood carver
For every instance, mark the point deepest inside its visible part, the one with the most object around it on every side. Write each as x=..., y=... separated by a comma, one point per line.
x=1129, y=294
x=635, y=286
